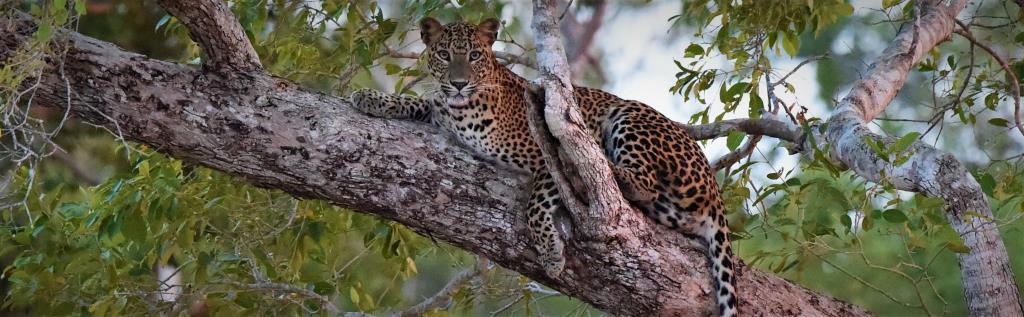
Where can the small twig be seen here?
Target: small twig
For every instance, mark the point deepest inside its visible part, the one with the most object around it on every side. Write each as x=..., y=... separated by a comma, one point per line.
x=347, y=74
x=81, y=172
x=509, y=305
x=411, y=83
x=967, y=79
x=325, y=302
x=445, y=294
x=735, y=156
x=564, y=11
x=398, y=54
x=798, y=66
x=291, y=219
x=1010, y=76
x=531, y=287
x=515, y=59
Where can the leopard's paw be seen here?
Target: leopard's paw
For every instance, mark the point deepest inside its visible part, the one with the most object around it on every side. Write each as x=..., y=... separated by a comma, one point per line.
x=553, y=266
x=363, y=99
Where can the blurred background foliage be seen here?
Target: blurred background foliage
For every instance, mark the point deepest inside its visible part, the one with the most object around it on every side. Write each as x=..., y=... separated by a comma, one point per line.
x=89, y=221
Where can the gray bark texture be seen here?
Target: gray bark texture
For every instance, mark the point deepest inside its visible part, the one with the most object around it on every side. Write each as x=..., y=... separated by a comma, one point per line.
x=988, y=281
x=275, y=134
x=215, y=29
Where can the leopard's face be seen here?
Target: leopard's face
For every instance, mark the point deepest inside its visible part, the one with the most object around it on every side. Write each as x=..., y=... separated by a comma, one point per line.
x=460, y=57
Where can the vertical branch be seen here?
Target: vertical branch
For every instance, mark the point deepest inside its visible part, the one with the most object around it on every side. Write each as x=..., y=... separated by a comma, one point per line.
x=566, y=123
x=211, y=24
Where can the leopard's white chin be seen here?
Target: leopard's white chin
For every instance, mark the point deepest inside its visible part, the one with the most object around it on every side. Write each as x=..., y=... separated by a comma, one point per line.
x=458, y=101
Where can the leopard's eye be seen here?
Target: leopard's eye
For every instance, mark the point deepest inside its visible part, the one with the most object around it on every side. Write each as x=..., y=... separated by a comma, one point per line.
x=474, y=55
x=444, y=55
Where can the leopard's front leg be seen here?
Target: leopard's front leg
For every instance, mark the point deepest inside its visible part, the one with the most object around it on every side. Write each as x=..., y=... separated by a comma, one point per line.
x=379, y=104
x=540, y=212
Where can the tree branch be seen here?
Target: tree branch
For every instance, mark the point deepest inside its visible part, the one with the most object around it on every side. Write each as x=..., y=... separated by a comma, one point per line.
x=735, y=156
x=274, y=134
x=987, y=279
x=565, y=122
x=580, y=36
x=549, y=149
x=1011, y=77
x=211, y=24
x=764, y=126
x=325, y=303
x=445, y=294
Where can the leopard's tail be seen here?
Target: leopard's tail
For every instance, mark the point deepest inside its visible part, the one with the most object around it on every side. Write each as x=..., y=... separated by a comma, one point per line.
x=716, y=233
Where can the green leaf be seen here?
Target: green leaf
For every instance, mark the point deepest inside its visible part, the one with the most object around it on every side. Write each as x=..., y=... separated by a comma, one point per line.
x=353, y=295
x=988, y=183
x=890, y=3
x=790, y=43
x=793, y=182
x=991, y=100
x=867, y=223
x=693, y=50
x=846, y=221
x=894, y=216
x=73, y=210
x=43, y=33
x=756, y=105
x=80, y=7
x=1019, y=38
x=844, y=9
x=958, y=247
x=905, y=142
x=999, y=122
x=392, y=69
x=828, y=199
x=134, y=226
x=734, y=139
x=877, y=148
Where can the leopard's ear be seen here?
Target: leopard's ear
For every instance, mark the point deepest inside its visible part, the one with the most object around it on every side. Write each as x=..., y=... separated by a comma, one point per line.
x=430, y=30
x=488, y=30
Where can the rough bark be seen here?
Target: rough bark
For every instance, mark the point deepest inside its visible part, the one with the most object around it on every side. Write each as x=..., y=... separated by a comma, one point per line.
x=275, y=134
x=564, y=121
x=987, y=278
x=214, y=28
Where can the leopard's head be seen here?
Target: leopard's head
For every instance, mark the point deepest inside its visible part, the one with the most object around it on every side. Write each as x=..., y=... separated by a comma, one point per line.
x=460, y=57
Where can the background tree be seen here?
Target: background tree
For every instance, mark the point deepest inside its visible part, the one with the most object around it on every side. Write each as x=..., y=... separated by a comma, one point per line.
x=74, y=247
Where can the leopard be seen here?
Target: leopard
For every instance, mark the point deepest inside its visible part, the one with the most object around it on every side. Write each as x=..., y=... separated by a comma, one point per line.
x=659, y=168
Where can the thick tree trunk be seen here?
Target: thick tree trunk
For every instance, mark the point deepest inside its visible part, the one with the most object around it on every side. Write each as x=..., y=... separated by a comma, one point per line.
x=275, y=134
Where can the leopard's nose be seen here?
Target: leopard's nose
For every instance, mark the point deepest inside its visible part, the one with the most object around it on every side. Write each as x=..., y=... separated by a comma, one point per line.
x=459, y=84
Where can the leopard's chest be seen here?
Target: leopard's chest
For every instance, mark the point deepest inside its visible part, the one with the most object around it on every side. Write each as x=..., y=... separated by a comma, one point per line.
x=473, y=127
x=490, y=135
